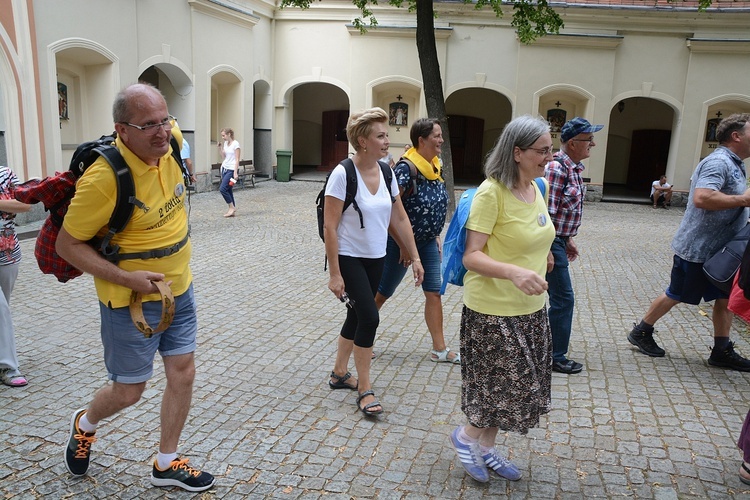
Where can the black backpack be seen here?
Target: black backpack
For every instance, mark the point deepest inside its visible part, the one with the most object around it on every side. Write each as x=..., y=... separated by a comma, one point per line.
x=56, y=191
x=412, y=189
x=85, y=155
x=351, y=192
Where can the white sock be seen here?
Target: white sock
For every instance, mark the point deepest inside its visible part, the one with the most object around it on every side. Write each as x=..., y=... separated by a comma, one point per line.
x=163, y=460
x=486, y=449
x=465, y=438
x=85, y=426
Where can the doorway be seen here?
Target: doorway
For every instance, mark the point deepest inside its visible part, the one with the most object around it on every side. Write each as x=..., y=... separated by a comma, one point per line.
x=466, y=148
x=649, y=151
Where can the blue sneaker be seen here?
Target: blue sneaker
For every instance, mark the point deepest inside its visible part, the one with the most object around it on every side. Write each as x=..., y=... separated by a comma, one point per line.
x=501, y=465
x=471, y=458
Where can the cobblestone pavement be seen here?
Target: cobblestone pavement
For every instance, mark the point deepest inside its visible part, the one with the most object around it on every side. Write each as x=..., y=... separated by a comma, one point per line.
x=266, y=424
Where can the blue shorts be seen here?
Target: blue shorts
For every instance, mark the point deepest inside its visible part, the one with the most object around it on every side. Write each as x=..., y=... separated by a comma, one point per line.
x=689, y=284
x=128, y=355
x=394, y=272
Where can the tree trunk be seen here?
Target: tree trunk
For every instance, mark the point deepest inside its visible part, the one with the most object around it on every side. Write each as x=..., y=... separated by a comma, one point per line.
x=433, y=88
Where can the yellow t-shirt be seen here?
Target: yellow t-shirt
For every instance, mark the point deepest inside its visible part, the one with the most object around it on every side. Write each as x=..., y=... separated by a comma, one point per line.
x=165, y=223
x=519, y=233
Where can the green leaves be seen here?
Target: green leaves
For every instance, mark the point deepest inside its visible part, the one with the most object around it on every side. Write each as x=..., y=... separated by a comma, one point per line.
x=535, y=19
x=531, y=18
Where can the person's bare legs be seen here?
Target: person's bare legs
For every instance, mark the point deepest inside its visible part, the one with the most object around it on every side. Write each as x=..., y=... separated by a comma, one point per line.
x=433, y=316
x=658, y=308
x=112, y=398
x=722, y=318
x=341, y=366
x=485, y=435
x=175, y=405
x=362, y=361
x=380, y=300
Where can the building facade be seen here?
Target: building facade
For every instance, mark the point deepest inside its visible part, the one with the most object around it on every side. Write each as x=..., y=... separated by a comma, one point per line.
x=658, y=76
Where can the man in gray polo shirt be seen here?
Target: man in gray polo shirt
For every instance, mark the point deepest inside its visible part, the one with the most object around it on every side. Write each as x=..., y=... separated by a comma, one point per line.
x=716, y=210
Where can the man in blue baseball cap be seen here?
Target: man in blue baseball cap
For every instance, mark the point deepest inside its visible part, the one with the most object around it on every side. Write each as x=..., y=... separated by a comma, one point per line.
x=566, y=192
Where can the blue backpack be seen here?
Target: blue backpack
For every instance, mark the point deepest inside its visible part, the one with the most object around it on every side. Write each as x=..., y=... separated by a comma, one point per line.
x=455, y=239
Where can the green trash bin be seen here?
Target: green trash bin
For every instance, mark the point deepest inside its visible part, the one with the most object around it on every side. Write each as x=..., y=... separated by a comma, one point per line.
x=283, y=165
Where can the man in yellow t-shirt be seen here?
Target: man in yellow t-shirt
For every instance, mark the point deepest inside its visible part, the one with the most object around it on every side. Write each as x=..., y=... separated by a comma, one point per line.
x=144, y=129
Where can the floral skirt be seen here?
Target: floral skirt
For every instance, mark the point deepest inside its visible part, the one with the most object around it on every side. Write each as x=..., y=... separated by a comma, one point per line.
x=506, y=369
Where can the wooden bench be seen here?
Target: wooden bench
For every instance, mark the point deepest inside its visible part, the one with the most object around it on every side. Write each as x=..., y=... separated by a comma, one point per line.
x=246, y=173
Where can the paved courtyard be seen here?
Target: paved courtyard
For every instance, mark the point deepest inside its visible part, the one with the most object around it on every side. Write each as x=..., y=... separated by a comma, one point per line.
x=266, y=424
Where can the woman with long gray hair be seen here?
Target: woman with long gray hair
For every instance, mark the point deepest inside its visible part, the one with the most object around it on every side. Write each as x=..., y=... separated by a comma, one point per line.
x=506, y=345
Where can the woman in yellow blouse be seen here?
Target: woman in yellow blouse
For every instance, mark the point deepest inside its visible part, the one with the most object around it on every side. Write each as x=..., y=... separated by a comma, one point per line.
x=506, y=345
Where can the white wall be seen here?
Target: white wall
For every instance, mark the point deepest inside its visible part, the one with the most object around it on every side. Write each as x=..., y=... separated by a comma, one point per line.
x=602, y=57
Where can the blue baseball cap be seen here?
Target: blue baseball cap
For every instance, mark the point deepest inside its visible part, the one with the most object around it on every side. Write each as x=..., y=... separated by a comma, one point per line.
x=577, y=126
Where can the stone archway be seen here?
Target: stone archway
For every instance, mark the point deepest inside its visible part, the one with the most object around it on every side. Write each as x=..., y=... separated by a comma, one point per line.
x=715, y=110
x=319, y=114
x=639, y=142
x=175, y=86
x=226, y=109
x=6, y=86
x=87, y=74
x=263, y=127
x=476, y=117
x=401, y=98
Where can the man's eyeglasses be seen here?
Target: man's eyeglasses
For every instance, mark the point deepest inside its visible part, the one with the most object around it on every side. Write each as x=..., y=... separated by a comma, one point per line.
x=542, y=151
x=153, y=128
x=589, y=140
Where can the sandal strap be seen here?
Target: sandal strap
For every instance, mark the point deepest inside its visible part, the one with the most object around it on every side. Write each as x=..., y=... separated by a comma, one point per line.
x=343, y=378
x=746, y=468
x=443, y=355
x=368, y=406
x=364, y=395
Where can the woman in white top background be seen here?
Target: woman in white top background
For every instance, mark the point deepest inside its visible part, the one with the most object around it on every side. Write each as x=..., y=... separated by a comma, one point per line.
x=231, y=154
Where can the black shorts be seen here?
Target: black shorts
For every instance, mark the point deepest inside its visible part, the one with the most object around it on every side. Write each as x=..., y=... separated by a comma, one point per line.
x=689, y=283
